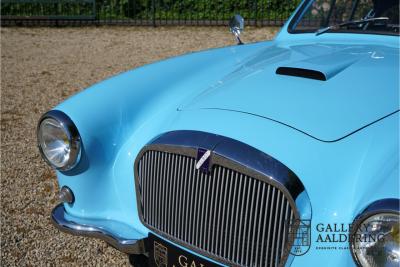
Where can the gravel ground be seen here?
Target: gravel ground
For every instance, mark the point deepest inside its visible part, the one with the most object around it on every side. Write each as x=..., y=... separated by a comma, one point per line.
x=41, y=67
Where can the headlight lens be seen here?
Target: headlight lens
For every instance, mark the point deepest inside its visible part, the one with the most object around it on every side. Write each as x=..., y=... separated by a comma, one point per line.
x=376, y=241
x=59, y=141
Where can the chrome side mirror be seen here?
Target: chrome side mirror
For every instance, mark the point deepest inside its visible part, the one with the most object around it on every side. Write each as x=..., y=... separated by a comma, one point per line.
x=236, y=25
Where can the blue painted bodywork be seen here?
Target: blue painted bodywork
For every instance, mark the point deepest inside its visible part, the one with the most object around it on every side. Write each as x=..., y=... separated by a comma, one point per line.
x=340, y=136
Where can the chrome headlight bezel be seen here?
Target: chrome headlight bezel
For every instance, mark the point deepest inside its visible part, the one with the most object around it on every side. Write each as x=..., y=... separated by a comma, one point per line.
x=72, y=133
x=381, y=207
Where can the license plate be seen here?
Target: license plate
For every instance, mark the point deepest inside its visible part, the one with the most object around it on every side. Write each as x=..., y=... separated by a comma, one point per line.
x=164, y=254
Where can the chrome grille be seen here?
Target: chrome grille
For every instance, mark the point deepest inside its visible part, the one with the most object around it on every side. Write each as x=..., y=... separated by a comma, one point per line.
x=225, y=214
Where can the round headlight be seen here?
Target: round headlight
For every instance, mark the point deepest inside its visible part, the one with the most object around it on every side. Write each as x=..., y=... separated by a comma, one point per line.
x=59, y=140
x=376, y=238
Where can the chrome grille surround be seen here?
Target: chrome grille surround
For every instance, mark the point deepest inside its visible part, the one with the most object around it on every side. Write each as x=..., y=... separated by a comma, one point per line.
x=248, y=193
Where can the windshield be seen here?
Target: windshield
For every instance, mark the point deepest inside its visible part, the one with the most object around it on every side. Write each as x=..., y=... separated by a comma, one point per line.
x=317, y=14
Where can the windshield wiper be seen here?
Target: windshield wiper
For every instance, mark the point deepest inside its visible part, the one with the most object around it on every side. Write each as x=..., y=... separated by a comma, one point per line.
x=352, y=22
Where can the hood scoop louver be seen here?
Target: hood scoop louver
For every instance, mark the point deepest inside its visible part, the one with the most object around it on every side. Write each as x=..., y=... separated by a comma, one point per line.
x=299, y=72
x=320, y=68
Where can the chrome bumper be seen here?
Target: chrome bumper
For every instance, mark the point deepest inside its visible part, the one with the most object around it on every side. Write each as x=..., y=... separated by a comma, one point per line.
x=129, y=246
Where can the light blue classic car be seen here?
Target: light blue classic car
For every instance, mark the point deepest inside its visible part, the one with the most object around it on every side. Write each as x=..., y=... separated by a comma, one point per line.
x=283, y=152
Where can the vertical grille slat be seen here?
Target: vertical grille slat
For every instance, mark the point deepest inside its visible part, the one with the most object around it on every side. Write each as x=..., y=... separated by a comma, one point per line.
x=269, y=238
x=195, y=209
x=169, y=200
x=181, y=178
x=189, y=233
x=210, y=211
x=173, y=193
x=256, y=215
x=234, y=218
x=286, y=223
x=243, y=230
x=184, y=200
x=202, y=197
x=148, y=188
x=187, y=199
x=152, y=186
x=206, y=214
x=162, y=189
x=273, y=246
x=140, y=168
x=263, y=256
x=167, y=197
x=239, y=215
x=219, y=215
x=225, y=214
x=239, y=235
x=228, y=216
x=156, y=189
x=261, y=214
x=177, y=196
x=142, y=186
x=280, y=223
x=215, y=206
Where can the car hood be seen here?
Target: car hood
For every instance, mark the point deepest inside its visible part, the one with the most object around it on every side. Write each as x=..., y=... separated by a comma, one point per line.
x=326, y=91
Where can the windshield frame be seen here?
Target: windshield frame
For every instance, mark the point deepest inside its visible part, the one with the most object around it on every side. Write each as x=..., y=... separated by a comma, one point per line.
x=291, y=29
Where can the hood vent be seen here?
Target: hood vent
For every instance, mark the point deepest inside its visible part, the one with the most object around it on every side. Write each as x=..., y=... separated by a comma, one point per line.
x=304, y=73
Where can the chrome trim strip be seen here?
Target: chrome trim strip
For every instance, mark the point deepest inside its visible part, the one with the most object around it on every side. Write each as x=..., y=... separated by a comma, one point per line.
x=247, y=162
x=387, y=205
x=128, y=246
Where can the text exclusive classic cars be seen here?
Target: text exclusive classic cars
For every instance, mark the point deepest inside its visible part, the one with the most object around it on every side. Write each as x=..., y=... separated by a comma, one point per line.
x=277, y=153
